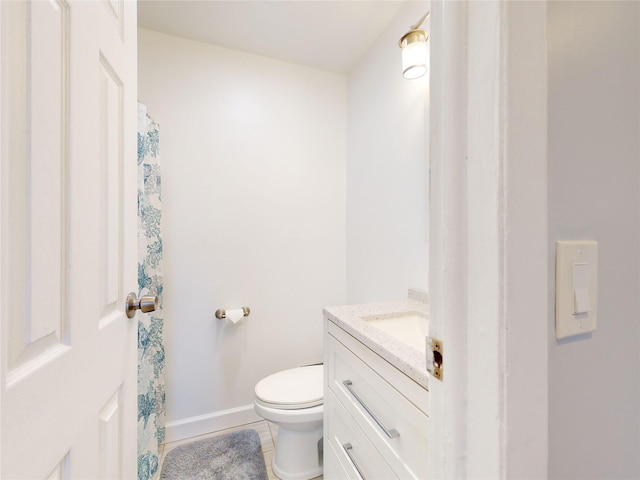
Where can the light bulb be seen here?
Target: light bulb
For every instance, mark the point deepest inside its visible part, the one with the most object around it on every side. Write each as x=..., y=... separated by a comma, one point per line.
x=414, y=60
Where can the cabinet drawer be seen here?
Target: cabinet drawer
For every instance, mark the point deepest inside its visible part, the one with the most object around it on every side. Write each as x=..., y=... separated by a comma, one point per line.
x=415, y=393
x=333, y=468
x=376, y=405
x=355, y=457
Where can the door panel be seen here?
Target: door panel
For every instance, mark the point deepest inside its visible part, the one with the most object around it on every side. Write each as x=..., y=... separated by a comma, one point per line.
x=110, y=188
x=38, y=169
x=67, y=239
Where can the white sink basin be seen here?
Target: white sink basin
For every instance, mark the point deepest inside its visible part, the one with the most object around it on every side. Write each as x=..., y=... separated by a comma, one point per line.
x=408, y=327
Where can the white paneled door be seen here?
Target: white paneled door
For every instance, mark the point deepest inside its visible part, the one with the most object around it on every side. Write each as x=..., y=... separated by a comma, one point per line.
x=67, y=239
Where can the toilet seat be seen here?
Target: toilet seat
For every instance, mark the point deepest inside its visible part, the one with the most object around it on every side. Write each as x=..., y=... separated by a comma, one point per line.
x=292, y=389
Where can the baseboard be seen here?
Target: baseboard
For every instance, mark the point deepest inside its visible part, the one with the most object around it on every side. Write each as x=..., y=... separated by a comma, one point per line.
x=211, y=422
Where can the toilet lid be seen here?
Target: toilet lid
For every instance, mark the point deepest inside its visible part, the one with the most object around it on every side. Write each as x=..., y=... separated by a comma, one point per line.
x=291, y=389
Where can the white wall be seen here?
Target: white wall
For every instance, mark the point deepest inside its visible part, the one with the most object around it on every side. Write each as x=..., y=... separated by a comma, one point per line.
x=594, y=158
x=387, y=171
x=253, y=155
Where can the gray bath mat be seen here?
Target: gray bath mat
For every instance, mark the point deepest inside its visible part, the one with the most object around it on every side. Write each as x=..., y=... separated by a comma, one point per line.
x=232, y=456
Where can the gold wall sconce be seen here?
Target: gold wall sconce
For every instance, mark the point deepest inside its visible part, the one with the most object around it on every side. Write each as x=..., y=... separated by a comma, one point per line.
x=414, y=51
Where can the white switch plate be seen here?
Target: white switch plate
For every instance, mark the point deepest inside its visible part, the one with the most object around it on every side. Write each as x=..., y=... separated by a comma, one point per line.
x=568, y=254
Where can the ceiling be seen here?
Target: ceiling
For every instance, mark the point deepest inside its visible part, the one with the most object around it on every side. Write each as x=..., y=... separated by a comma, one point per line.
x=325, y=34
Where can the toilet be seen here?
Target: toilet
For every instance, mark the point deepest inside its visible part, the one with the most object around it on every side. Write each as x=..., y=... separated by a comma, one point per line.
x=293, y=400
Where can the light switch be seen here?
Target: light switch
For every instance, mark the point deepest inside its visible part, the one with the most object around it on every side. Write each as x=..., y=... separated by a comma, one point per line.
x=581, y=302
x=576, y=287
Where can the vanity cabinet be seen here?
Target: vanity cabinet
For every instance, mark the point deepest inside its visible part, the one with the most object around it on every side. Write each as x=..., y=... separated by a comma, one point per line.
x=375, y=420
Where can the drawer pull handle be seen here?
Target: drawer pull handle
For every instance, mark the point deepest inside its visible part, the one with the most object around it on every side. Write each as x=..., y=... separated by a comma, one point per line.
x=390, y=432
x=347, y=449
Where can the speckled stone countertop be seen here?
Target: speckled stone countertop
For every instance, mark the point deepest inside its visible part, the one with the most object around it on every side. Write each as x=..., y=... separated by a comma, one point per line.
x=404, y=357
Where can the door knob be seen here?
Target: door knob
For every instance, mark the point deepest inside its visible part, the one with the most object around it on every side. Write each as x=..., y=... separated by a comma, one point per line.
x=147, y=303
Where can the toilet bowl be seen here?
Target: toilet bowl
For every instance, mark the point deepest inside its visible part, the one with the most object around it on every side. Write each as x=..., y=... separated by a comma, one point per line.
x=293, y=400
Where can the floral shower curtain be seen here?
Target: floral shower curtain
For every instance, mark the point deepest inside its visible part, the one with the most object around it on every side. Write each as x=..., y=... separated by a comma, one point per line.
x=151, y=396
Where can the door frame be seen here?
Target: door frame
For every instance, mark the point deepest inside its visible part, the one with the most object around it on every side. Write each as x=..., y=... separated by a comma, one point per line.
x=488, y=239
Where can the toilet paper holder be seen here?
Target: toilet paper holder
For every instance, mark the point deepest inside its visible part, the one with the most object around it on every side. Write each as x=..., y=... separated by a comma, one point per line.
x=221, y=313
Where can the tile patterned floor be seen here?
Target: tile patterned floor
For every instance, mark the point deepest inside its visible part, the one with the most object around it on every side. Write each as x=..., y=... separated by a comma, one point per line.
x=268, y=435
